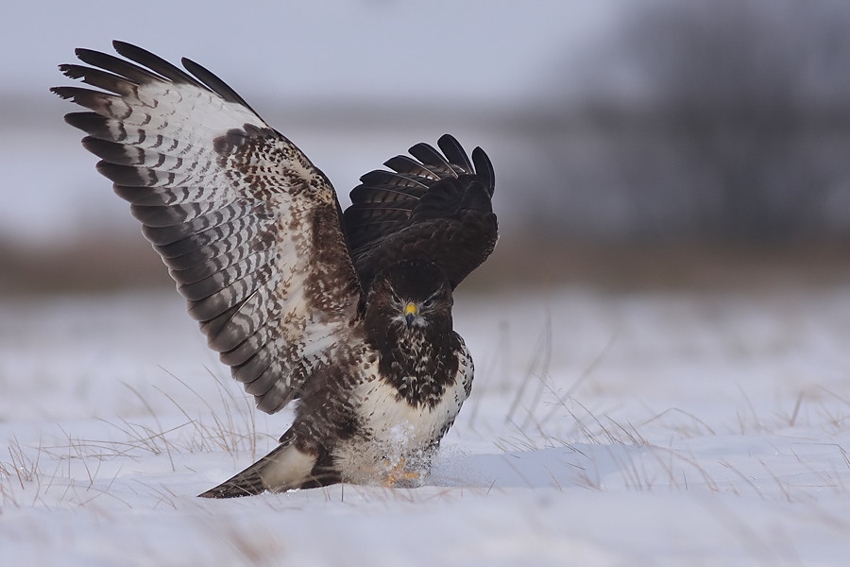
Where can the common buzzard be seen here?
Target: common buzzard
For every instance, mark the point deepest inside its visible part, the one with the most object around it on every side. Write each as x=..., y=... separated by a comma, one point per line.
x=350, y=313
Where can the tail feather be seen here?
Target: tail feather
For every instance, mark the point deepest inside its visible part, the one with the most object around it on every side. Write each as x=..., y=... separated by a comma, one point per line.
x=246, y=483
x=285, y=468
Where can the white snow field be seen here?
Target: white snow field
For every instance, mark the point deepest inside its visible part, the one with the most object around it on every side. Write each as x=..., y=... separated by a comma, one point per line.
x=641, y=428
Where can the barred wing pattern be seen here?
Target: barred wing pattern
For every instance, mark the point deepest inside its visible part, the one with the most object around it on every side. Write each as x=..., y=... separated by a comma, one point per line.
x=249, y=229
x=436, y=207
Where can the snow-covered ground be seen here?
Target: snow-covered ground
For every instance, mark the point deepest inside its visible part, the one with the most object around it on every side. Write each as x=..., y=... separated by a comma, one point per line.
x=633, y=429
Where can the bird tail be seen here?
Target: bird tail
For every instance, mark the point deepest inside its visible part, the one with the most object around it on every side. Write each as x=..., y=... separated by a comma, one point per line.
x=246, y=483
x=286, y=467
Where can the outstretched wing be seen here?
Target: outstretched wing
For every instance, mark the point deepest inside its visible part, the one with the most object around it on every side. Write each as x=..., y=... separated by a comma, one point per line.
x=249, y=229
x=436, y=207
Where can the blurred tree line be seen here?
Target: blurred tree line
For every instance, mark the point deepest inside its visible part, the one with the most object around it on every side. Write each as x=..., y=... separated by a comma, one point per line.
x=718, y=119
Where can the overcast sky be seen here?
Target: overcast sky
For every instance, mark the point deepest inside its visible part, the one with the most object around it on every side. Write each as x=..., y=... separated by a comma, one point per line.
x=477, y=50
x=297, y=60
x=489, y=54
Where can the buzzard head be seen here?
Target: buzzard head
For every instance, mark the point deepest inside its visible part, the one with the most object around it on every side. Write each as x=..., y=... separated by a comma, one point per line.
x=409, y=297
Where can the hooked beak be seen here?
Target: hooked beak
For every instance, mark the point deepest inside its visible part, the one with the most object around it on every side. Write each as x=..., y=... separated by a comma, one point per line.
x=410, y=312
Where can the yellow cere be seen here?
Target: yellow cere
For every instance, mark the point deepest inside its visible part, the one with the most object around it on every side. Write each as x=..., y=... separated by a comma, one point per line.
x=410, y=308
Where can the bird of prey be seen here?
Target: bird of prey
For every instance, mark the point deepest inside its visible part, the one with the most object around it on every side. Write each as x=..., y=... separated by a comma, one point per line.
x=348, y=313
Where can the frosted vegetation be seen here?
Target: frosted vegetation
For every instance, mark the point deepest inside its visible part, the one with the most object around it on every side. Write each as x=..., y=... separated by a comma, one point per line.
x=634, y=429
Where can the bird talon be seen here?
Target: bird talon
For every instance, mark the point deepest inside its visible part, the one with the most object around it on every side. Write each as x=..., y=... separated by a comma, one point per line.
x=397, y=474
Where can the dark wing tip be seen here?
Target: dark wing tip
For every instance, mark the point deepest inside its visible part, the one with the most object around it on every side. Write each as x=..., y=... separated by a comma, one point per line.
x=66, y=69
x=139, y=66
x=429, y=156
x=121, y=174
x=454, y=152
x=437, y=205
x=155, y=63
x=214, y=83
x=91, y=123
x=91, y=56
x=66, y=93
x=484, y=169
x=132, y=52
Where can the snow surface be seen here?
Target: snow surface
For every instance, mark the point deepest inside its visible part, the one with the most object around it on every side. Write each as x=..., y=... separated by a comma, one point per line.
x=603, y=429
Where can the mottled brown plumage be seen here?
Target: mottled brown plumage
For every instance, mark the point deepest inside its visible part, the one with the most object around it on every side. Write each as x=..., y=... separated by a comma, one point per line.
x=349, y=313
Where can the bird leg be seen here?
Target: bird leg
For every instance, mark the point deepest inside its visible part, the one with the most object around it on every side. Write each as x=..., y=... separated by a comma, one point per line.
x=396, y=474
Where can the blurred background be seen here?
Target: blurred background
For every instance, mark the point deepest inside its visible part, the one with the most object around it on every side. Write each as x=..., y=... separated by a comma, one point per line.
x=636, y=143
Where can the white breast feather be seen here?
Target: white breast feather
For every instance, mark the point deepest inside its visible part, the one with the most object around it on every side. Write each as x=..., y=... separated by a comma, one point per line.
x=396, y=429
